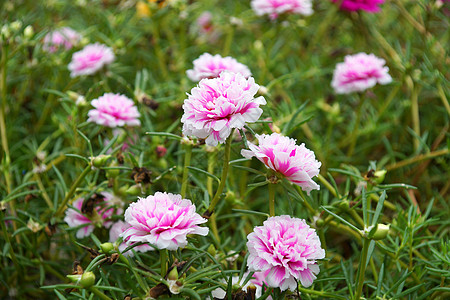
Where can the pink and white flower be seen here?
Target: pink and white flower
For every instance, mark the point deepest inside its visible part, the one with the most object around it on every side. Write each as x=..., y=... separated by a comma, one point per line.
x=281, y=154
x=163, y=220
x=104, y=210
x=64, y=37
x=92, y=58
x=208, y=66
x=114, y=110
x=114, y=233
x=371, y=6
x=218, y=105
x=274, y=8
x=204, y=22
x=359, y=72
x=287, y=248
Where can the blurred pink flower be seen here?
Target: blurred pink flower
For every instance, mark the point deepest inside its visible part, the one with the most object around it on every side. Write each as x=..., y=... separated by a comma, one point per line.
x=114, y=233
x=366, y=5
x=92, y=58
x=163, y=220
x=217, y=105
x=280, y=153
x=359, y=72
x=204, y=22
x=114, y=110
x=64, y=37
x=288, y=249
x=103, y=210
x=208, y=66
x=273, y=8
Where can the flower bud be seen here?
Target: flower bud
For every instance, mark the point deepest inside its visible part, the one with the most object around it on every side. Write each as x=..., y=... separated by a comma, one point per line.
x=173, y=274
x=107, y=248
x=28, y=32
x=74, y=278
x=379, y=176
x=100, y=160
x=344, y=205
x=87, y=280
x=160, y=151
x=16, y=25
x=212, y=250
x=134, y=190
x=112, y=173
x=379, y=232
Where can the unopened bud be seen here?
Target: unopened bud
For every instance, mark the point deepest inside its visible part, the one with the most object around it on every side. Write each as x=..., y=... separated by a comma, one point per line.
x=344, y=205
x=379, y=176
x=100, y=160
x=379, y=232
x=28, y=32
x=134, y=190
x=107, y=248
x=112, y=173
x=74, y=278
x=212, y=250
x=173, y=274
x=16, y=25
x=87, y=280
x=160, y=151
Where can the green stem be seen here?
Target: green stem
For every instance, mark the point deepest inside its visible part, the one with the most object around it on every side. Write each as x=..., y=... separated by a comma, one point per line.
x=209, y=180
x=443, y=98
x=71, y=192
x=328, y=185
x=271, y=199
x=187, y=162
x=159, y=53
x=18, y=267
x=354, y=136
x=98, y=293
x=417, y=158
x=415, y=113
x=223, y=178
x=362, y=268
x=163, y=256
x=306, y=203
x=228, y=40
x=4, y=137
x=320, y=293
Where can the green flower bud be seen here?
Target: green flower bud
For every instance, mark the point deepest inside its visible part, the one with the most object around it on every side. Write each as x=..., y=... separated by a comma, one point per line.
x=100, y=160
x=212, y=250
x=134, y=190
x=344, y=205
x=107, y=248
x=379, y=232
x=173, y=274
x=87, y=280
x=28, y=32
x=379, y=176
x=74, y=278
x=112, y=173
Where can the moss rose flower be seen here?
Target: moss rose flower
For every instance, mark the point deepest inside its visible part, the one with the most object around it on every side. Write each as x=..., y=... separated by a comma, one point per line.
x=92, y=58
x=287, y=248
x=64, y=37
x=208, y=66
x=114, y=110
x=273, y=8
x=370, y=6
x=103, y=210
x=359, y=72
x=163, y=220
x=218, y=105
x=279, y=153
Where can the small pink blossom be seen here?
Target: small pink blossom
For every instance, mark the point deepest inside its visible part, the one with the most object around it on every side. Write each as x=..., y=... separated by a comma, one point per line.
x=114, y=233
x=208, y=66
x=92, y=58
x=114, y=110
x=104, y=210
x=64, y=37
x=371, y=6
x=204, y=22
x=274, y=8
x=359, y=72
x=163, y=220
x=288, y=249
x=279, y=153
x=217, y=105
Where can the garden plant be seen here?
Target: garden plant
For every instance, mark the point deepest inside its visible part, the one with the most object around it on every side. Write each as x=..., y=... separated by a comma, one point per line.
x=224, y=149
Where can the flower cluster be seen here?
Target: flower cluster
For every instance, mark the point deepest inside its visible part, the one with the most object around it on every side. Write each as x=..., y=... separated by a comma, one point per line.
x=281, y=154
x=92, y=58
x=101, y=212
x=274, y=8
x=208, y=66
x=162, y=220
x=114, y=110
x=359, y=72
x=288, y=249
x=64, y=37
x=220, y=104
x=371, y=6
